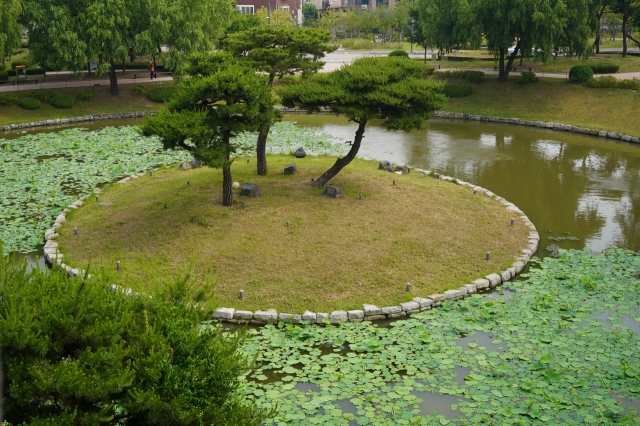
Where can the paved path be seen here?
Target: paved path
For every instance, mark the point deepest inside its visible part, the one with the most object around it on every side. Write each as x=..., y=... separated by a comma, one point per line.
x=64, y=79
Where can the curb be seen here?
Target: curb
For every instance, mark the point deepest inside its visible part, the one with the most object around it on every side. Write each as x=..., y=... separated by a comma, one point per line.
x=62, y=121
x=368, y=312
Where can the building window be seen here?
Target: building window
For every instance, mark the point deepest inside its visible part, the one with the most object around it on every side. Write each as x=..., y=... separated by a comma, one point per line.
x=245, y=10
x=285, y=8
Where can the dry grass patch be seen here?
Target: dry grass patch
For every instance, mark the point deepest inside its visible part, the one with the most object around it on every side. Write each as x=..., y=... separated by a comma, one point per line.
x=335, y=254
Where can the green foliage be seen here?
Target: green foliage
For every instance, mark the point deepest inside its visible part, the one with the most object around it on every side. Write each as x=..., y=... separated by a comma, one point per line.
x=106, y=357
x=604, y=68
x=633, y=84
x=475, y=76
x=541, y=353
x=4, y=75
x=62, y=101
x=580, y=73
x=10, y=28
x=43, y=95
x=610, y=82
x=141, y=90
x=136, y=65
x=29, y=103
x=8, y=99
x=86, y=95
x=35, y=70
x=526, y=77
x=309, y=15
x=161, y=94
x=457, y=90
x=471, y=75
x=399, y=53
x=20, y=62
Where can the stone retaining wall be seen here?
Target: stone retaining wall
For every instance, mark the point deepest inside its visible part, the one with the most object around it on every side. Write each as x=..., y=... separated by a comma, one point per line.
x=71, y=120
x=368, y=312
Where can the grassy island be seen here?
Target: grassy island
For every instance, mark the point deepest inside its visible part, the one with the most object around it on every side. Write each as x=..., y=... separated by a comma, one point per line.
x=293, y=248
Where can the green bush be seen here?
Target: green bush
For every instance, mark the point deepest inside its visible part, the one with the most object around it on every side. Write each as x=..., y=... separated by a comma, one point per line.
x=19, y=62
x=472, y=76
x=108, y=358
x=604, y=68
x=161, y=94
x=580, y=73
x=526, y=77
x=29, y=103
x=633, y=84
x=24, y=45
x=37, y=70
x=141, y=90
x=8, y=99
x=62, y=101
x=43, y=95
x=457, y=90
x=4, y=75
x=399, y=53
x=86, y=96
x=606, y=82
x=475, y=76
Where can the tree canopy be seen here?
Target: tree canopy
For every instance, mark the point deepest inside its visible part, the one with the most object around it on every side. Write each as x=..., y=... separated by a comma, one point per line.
x=224, y=97
x=396, y=90
x=10, y=29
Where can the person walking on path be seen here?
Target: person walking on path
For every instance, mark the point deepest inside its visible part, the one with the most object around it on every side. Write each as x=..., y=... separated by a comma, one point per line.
x=152, y=71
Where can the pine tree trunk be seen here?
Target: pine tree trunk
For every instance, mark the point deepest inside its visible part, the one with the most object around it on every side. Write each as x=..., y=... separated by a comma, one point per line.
x=261, y=152
x=506, y=69
x=113, y=79
x=501, y=73
x=227, y=191
x=342, y=162
x=625, y=19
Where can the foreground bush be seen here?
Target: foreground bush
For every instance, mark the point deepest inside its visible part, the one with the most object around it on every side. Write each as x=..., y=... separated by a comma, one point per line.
x=580, y=73
x=43, y=95
x=399, y=53
x=62, y=101
x=610, y=82
x=526, y=77
x=7, y=99
x=457, y=90
x=161, y=94
x=604, y=68
x=29, y=103
x=100, y=356
x=86, y=96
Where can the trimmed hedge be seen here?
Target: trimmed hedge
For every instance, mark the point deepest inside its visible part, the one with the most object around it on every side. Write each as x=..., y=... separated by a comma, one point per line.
x=633, y=84
x=475, y=76
x=457, y=90
x=43, y=95
x=24, y=61
x=29, y=103
x=399, y=53
x=35, y=70
x=7, y=99
x=4, y=75
x=472, y=76
x=86, y=96
x=62, y=101
x=610, y=82
x=604, y=68
x=161, y=94
x=580, y=73
x=526, y=77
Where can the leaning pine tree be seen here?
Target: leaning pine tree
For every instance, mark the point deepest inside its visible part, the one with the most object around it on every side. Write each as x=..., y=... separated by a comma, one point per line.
x=222, y=99
x=396, y=90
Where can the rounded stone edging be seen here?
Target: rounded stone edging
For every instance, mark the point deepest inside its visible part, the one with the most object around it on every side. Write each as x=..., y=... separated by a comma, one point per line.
x=70, y=120
x=369, y=312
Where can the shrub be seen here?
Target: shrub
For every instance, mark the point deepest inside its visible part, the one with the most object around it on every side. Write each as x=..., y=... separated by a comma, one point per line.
x=606, y=82
x=161, y=94
x=399, y=53
x=4, y=75
x=86, y=96
x=19, y=62
x=7, y=99
x=526, y=77
x=580, y=73
x=35, y=70
x=141, y=90
x=451, y=75
x=457, y=90
x=62, y=101
x=24, y=45
x=43, y=95
x=633, y=84
x=604, y=68
x=29, y=103
x=475, y=76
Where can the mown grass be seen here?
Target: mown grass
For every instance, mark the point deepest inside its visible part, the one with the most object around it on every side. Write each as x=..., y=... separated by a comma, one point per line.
x=335, y=254
x=560, y=101
x=103, y=102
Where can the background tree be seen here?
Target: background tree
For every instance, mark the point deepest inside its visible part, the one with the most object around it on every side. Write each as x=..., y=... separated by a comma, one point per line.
x=278, y=51
x=279, y=17
x=310, y=15
x=627, y=9
x=394, y=89
x=223, y=98
x=10, y=28
x=102, y=357
x=418, y=31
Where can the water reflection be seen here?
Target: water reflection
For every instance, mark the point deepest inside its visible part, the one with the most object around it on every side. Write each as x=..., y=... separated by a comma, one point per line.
x=565, y=183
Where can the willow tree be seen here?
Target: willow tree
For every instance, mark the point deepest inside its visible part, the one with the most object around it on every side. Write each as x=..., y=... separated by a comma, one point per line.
x=394, y=89
x=279, y=51
x=208, y=110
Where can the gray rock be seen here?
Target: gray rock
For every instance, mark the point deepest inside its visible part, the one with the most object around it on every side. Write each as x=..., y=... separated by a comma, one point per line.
x=294, y=318
x=370, y=310
x=195, y=164
x=250, y=190
x=424, y=302
x=224, y=313
x=300, y=153
x=355, y=315
x=494, y=279
x=321, y=316
x=625, y=138
x=106, y=203
x=332, y=191
x=243, y=315
x=269, y=316
x=453, y=294
x=437, y=297
x=290, y=169
x=309, y=317
x=613, y=135
x=375, y=317
x=383, y=165
x=512, y=271
x=338, y=316
x=390, y=310
x=398, y=315
x=505, y=275
x=184, y=165
x=409, y=306
x=635, y=140
x=481, y=283
x=471, y=288
x=518, y=266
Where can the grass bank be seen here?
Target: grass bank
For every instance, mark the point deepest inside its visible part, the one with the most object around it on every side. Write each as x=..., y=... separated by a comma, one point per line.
x=560, y=101
x=335, y=254
x=103, y=102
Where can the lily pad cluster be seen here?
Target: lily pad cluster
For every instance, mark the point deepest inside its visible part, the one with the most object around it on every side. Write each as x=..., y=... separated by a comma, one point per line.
x=564, y=349
x=45, y=172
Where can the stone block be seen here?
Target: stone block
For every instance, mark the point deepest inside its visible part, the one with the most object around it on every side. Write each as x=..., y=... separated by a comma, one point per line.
x=389, y=310
x=371, y=310
x=512, y=271
x=321, y=316
x=505, y=275
x=300, y=153
x=625, y=138
x=635, y=140
x=494, y=279
x=290, y=169
x=426, y=308
x=398, y=315
x=413, y=311
x=453, y=294
x=309, y=317
x=437, y=297
x=332, y=191
x=338, y=316
x=243, y=315
x=518, y=266
x=224, y=313
x=423, y=301
x=375, y=317
x=294, y=318
x=269, y=316
x=409, y=306
x=355, y=314
x=250, y=190
x=481, y=283
x=471, y=288
x=384, y=165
